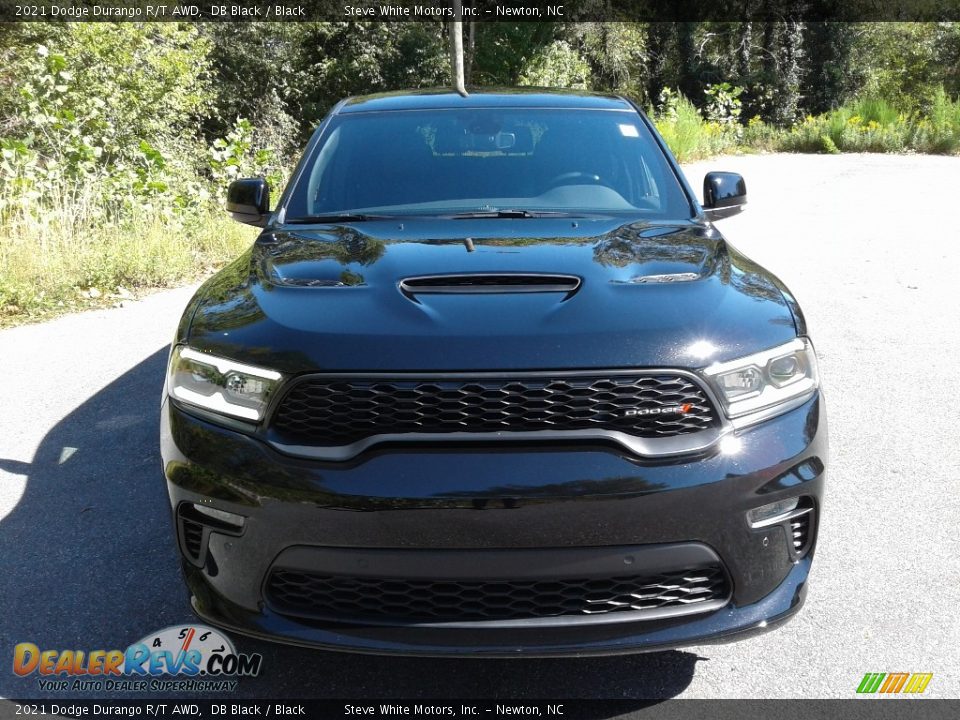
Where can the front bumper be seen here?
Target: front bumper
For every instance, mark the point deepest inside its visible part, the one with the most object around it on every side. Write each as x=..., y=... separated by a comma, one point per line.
x=541, y=505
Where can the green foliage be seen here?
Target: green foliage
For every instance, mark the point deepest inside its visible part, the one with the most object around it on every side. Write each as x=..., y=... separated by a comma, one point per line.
x=616, y=54
x=828, y=145
x=501, y=52
x=876, y=110
x=103, y=110
x=758, y=135
x=874, y=125
x=117, y=141
x=685, y=131
x=724, y=106
x=900, y=62
x=557, y=65
x=237, y=155
x=64, y=260
x=105, y=182
x=939, y=131
x=348, y=58
x=257, y=67
x=680, y=124
x=831, y=77
x=869, y=124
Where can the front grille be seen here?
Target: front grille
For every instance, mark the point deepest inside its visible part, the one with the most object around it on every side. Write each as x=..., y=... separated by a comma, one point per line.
x=394, y=600
x=340, y=411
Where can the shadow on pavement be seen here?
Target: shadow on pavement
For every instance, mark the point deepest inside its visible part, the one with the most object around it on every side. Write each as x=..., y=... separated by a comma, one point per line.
x=89, y=563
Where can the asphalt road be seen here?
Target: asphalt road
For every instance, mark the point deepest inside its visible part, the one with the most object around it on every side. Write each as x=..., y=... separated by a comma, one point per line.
x=867, y=245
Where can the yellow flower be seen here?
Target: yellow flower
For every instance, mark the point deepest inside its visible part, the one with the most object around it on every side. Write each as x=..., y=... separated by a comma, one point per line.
x=855, y=120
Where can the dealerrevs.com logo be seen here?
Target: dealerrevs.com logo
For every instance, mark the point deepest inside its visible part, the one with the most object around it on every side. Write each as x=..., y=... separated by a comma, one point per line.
x=894, y=683
x=199, y=657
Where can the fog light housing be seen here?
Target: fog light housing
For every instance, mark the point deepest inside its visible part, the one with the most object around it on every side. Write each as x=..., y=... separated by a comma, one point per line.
x=772, y=513
x=227, y=518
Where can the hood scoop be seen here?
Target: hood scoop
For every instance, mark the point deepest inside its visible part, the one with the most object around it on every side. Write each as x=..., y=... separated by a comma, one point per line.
x=490, y=283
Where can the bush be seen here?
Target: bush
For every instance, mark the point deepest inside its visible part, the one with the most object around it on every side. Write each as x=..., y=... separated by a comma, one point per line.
x=939, y=132
x=759, y=135
x=687, y=134
x=868, y=125
x=876, y=110
x=557, y=65
x=874, y=125
x=106, y=184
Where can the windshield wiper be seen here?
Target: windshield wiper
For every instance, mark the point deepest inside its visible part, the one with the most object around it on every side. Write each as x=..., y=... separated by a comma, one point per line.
x=336, y=218
x=511, y=213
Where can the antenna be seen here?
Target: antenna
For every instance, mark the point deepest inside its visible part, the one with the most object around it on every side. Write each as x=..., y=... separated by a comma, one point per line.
x=456, y=48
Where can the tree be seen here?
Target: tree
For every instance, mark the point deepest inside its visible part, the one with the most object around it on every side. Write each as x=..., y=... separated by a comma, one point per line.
x=830, y=75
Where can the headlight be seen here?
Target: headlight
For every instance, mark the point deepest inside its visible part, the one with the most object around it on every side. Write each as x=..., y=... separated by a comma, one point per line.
x=221, y=385
x=766, y=379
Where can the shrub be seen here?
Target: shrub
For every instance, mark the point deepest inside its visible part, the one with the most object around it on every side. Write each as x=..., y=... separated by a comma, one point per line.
x=99, y=193
x=873, y=124
x=940, y=131
x=685, y=131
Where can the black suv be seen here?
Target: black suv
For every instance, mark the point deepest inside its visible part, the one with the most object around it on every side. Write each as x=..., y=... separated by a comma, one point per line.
x=490, y=382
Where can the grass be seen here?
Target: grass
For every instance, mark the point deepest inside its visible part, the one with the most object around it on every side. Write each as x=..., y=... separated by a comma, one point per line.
x=689, y=136
x=870, y=125
x=73, y=256
x=874, y=125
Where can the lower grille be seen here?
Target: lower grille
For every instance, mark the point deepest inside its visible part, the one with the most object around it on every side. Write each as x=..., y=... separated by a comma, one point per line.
x=399, y=601
x=192, y=538
x=332, y=411
x=194, y=528
x=191, y=535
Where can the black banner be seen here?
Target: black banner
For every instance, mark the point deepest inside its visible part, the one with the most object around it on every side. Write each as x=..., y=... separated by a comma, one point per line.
x=867, y=709
x=476, y=10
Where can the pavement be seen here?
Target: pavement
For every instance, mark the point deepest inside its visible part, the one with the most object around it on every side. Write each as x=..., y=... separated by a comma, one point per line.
x=866, y=244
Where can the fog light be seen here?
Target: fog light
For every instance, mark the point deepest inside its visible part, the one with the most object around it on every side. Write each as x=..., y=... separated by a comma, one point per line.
x=223, y=516
x=770, y=514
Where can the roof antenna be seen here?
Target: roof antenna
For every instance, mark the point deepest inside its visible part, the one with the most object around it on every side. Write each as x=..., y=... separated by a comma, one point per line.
x=456, y=48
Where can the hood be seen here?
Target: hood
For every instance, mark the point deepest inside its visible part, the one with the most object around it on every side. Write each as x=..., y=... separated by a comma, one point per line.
x=490, y=294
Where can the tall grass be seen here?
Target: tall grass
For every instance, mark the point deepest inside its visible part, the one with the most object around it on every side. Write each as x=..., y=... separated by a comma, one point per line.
x=689, y=136
x=869, y=124
x=875, y=125
x=73, y=252
x=939, y=131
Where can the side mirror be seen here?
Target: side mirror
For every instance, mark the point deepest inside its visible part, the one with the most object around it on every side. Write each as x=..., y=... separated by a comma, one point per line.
x=248, y=201
x=724, y=194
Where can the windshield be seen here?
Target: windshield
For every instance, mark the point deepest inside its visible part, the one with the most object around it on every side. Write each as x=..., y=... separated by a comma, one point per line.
x=442, y=162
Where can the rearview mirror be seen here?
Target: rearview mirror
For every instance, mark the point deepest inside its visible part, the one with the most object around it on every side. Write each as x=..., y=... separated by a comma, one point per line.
x=724, y=194
x=248, y=201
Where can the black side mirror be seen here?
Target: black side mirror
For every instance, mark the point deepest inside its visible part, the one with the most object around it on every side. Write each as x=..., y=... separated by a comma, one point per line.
x=724, y=194
x=248, y=201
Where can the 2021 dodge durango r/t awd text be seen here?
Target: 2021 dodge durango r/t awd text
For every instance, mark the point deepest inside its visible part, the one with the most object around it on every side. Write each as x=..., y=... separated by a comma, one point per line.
x=490, y=382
